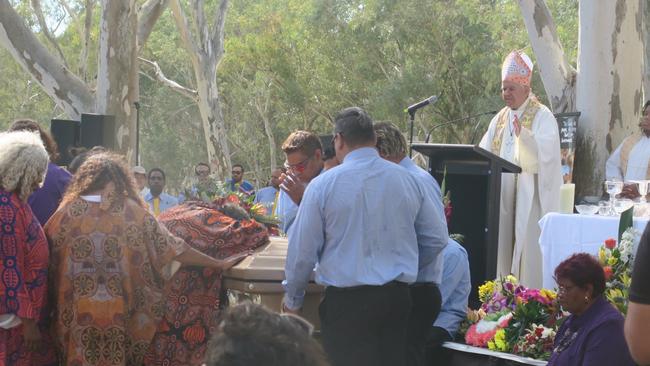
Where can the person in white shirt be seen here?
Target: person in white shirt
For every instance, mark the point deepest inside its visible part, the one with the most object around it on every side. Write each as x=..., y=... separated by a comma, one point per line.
x=525, y=133
x=631, y=159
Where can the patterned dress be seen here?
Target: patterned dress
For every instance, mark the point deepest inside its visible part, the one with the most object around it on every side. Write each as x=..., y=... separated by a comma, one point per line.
x=23, y=281
x=108, y=267
x=193, y=294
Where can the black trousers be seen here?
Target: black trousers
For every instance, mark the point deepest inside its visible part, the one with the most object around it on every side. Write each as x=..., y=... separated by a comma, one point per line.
x=426, y=300
x=436, y=355
x=365, y=325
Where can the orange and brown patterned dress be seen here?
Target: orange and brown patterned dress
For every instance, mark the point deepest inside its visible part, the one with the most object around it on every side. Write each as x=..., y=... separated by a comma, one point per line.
x=107, y=277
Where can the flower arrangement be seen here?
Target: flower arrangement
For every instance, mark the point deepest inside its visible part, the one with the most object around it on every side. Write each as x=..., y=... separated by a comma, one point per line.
x=514, y=319
x=617, y=263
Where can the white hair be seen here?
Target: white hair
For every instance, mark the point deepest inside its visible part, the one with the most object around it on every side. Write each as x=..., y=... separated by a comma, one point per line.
x=23, y=162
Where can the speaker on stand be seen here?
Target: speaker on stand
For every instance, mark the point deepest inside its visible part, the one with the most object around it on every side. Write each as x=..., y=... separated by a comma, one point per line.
x=97, y=130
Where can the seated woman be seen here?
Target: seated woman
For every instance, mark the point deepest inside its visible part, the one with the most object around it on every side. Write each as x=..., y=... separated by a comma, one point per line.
x=593, y=334
x=110, y=259
x=24, y=339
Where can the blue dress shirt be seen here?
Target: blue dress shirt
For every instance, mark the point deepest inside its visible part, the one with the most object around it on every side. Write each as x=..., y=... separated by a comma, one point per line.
x=432, y=189
x=266, y=196
x=361, y=221
x=167, y=201
x=454, y=288
x=244, y=187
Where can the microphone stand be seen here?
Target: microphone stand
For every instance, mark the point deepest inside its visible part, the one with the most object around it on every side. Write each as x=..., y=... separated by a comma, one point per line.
x=412, y=119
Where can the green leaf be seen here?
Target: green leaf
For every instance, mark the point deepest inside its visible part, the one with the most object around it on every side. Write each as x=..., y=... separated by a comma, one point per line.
x=626, y=221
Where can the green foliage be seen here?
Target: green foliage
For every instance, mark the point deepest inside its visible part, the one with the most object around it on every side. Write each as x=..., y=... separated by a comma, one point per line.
x=296, y=63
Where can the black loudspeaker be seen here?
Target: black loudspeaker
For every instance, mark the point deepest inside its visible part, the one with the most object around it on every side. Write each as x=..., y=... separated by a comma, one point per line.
x=97, y=130
x=66, y=135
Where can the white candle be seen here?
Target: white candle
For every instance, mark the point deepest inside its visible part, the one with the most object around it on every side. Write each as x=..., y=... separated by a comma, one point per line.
x=567, y=192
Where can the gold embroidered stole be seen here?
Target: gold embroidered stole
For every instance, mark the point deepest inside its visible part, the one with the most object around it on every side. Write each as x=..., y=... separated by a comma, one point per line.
x=628, y=145
x=526, y=121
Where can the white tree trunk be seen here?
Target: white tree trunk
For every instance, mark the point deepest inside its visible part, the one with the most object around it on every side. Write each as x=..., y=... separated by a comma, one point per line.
x=117, y=80
x=557, y=74
x=204, y=45
x=646, y=43
x=65, y=89
x=609, y=86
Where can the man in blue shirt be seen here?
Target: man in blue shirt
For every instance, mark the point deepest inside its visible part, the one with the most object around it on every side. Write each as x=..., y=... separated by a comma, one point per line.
x=237, y=182
x=425, y=294
x=455, y=288
x=361, y=222
x=304, y=162
x=268, y=196
x=158, y=200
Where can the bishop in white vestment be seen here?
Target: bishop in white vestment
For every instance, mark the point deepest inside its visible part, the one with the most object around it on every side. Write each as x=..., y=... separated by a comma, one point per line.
x=525, y=133
x=631, y=159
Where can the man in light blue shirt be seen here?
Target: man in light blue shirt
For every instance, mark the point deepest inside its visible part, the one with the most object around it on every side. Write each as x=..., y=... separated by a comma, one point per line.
x=268, y=196
x=158, y=200
x=455, y=288
x=361, y=222
x=425, y=294
x=303, y=151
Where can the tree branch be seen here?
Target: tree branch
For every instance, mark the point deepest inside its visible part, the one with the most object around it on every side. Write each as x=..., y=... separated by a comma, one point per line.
x=160, y=76
x=67, y=90
x=217, y=37
x=183, y=27
x=38, y=10
x=147, y=18
x=198, y=14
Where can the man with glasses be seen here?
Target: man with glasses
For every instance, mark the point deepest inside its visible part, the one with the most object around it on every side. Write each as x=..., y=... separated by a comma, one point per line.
x=237, y=182
x=304, y=162
x=202, y=183
x=359, y=225
x=268, y=196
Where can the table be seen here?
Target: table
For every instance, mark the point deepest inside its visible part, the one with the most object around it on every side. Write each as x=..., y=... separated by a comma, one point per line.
x=566, y=234
x=458, y=354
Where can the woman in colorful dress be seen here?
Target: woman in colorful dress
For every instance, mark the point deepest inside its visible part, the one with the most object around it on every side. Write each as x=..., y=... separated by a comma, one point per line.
x=23, y=254
x=110, y=260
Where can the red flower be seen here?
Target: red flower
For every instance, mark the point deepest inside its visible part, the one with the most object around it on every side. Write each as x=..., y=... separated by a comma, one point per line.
x=608, y=272
x=538, y=332
x=610, y=243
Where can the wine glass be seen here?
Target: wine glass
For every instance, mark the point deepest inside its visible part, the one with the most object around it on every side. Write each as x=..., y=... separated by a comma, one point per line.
x=613, y=187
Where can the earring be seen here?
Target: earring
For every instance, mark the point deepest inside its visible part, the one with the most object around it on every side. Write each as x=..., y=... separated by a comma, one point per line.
x=586, y=299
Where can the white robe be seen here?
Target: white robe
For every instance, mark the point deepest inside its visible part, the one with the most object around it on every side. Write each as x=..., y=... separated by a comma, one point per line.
x=537, y=191
x=637, y=162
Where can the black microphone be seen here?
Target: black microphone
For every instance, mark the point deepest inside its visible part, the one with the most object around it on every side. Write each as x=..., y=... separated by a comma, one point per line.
x=426, y=140
x=412, y=108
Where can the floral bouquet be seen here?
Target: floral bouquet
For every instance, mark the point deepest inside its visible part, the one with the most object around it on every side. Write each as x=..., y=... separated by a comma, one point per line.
x=511, y=315
x=617, y=263
x=536, y=343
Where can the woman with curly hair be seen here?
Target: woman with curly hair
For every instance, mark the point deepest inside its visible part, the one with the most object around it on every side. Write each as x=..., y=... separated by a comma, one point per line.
x=593, y=334
x=23, y=254
x=109, y=263
x=45, y=200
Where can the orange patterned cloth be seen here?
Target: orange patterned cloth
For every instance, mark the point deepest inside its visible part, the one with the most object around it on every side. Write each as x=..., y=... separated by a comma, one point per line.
x=193, y=294
x=108, y=268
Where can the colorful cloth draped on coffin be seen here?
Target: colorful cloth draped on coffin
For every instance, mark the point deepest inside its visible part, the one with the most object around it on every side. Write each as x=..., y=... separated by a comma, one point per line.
x=192, y=295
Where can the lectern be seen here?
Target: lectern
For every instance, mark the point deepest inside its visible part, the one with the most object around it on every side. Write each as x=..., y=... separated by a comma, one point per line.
x=474, y=179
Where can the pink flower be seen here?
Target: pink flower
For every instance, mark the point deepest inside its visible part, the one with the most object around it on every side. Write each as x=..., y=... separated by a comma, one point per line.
x=610, y=243
x=608, y=272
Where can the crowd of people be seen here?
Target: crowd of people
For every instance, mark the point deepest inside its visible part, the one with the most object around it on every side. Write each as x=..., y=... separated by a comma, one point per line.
x=86, y=256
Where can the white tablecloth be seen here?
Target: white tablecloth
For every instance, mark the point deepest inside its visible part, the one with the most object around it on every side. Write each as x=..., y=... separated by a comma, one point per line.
x=563, y=235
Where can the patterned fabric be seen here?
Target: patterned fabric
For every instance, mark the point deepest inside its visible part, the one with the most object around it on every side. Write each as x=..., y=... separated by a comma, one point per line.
x=192, y=295
x=23, y=281
x=517, y=68
x=107, y=265
x=526, y=121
